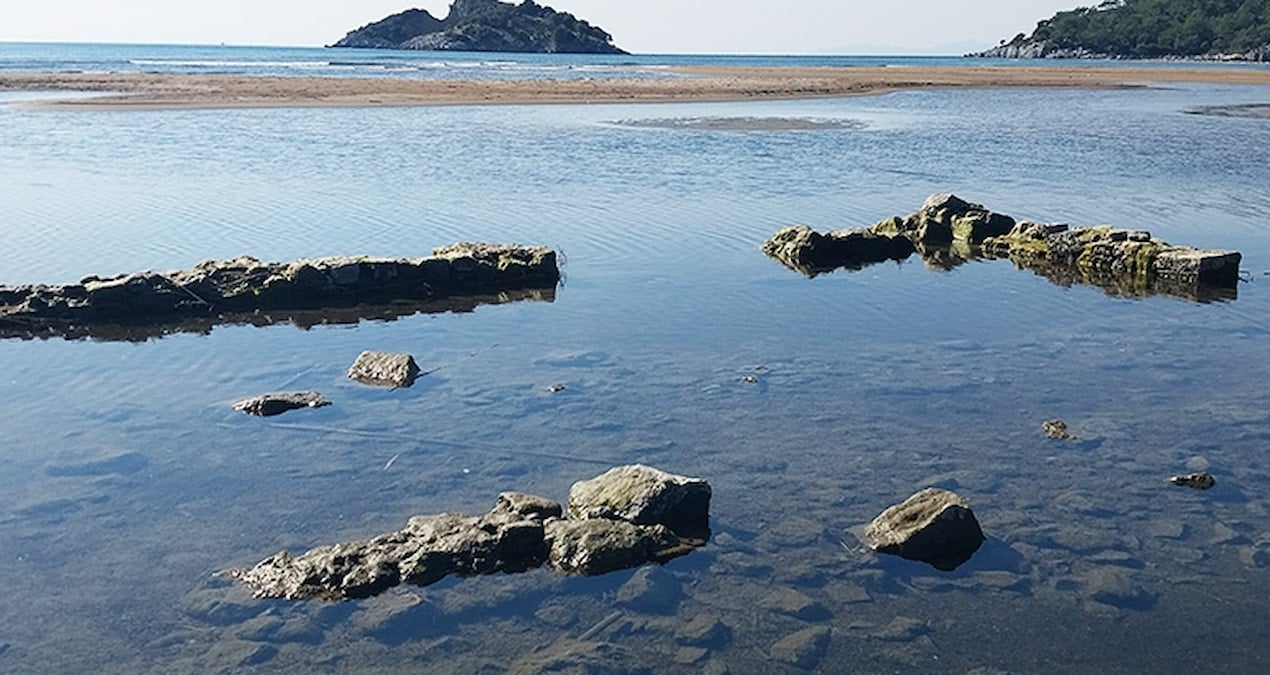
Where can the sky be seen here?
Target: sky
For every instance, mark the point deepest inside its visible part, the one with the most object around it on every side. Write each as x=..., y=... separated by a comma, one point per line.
x=640, y=26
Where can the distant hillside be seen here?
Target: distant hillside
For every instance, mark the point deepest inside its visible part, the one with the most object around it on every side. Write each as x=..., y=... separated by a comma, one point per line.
x=1149, y=29
x=485, y=26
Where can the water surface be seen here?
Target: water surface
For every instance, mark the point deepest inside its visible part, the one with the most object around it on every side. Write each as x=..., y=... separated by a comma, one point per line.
x=810, y=405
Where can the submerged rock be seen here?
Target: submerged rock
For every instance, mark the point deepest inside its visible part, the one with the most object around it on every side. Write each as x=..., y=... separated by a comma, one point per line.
x=268, y=405
x=1196, y=481
x=933, y=526
x=804, y=649
x=522, y=532
x=384, y=369
x=644, y=496
x=243, y=286
x=948, y=231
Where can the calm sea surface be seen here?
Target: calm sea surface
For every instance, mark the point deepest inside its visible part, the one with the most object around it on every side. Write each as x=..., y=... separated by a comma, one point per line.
x=128, y=482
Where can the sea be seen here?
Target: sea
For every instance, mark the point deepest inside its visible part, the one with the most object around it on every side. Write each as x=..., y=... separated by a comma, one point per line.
x=810, y=404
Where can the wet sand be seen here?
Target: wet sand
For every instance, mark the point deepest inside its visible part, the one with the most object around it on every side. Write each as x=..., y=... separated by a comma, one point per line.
x=687, y=84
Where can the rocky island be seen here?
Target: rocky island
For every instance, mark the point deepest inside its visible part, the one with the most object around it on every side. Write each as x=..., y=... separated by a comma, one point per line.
x=485, y=26
x=1238, y=30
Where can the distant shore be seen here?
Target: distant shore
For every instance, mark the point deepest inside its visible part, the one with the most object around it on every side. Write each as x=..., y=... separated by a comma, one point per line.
x=704, y=83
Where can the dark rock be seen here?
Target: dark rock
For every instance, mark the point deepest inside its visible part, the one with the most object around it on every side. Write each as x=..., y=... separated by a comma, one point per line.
x=1122, y=262
x=429, y=549
x=933, y=526
x=485, y=26
x=1056, y=429
x=1197, y=481
x=522, y=532
x=803, y=649
x=645, y=496
x=268, y=405
x=384, y=369
x=812, y=253
x=652, y=590
x=948, y=231
x=599, y=545
x=235, y=290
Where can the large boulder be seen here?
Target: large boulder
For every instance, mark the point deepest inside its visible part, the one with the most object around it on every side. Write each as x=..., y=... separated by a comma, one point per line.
x=598, y=545
x=933, y=526
x=644, y=496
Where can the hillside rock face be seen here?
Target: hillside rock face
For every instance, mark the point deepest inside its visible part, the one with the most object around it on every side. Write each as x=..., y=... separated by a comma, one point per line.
x=485, y=26
x=1148, y=29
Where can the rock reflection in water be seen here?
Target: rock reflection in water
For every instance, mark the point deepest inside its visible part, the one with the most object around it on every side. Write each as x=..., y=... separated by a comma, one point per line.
x=24, y=329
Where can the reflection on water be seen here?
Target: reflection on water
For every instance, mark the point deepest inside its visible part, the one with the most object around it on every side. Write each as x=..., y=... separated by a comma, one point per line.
x=809, y=407
x=17, y=327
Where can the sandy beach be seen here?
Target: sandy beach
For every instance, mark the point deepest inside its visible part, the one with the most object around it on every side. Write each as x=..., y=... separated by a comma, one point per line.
x=149, y=91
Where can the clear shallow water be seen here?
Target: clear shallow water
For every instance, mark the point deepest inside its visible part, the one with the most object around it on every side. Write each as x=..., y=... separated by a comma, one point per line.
x=128, y=481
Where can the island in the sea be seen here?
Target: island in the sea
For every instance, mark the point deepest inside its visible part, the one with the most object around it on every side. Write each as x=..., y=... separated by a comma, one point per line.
x=1226, y=30
x=485, y=26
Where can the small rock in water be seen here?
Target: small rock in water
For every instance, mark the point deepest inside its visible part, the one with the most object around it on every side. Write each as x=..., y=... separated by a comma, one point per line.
x=1197, y=481
x=703, y=631
x=1056, y=429
x=269, y=405
x=556, y=388
x=382, y=369
x=933, y=526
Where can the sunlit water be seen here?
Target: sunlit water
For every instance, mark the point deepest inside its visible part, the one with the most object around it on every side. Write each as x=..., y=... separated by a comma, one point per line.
x=128, y=481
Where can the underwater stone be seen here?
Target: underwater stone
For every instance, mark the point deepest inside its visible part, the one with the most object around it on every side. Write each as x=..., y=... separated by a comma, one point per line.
x=268, y=405
x=644, y=496
x=384, y=369
x=804, y=649
x=933, y=526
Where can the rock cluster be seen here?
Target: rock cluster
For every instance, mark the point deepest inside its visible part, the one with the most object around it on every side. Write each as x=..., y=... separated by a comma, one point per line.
x=933, y=526
x=245, y=286
x=948, y=231
x=522, y=532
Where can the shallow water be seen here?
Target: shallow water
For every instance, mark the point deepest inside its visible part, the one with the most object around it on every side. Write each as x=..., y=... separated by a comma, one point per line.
x=129, y=482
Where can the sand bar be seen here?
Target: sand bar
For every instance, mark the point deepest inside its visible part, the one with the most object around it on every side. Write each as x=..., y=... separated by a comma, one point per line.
x=705, y=83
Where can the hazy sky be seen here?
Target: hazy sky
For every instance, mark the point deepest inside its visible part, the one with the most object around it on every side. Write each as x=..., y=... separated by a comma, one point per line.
x=644, y=26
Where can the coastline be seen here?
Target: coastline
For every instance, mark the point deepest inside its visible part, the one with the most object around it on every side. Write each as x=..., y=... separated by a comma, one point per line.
x=695, y=84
